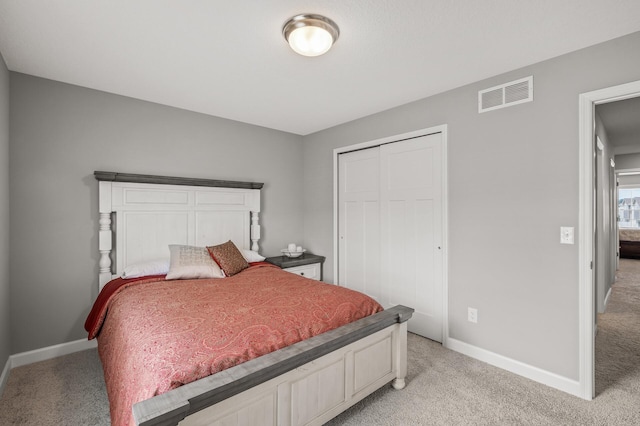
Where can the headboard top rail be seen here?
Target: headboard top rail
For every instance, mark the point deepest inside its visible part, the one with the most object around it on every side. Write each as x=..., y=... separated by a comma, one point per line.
x=172, y=180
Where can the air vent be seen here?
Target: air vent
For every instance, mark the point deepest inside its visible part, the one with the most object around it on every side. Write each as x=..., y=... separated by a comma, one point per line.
x=505, y=95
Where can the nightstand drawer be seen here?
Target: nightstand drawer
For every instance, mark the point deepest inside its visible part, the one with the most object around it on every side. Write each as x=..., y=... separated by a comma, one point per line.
x=308, y=271
x=308, y=265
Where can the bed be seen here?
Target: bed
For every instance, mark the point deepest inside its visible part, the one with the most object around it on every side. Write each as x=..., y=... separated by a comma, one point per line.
x=308, y=378
x=629, y=243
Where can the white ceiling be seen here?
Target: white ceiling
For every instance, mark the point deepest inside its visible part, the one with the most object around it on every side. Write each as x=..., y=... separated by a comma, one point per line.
x=229, y=59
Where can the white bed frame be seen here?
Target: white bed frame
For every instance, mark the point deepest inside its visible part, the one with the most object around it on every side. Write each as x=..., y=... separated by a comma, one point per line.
x=306, y=383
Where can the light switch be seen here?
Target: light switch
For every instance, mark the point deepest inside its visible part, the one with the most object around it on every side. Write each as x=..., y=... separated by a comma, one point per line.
x=566, y=235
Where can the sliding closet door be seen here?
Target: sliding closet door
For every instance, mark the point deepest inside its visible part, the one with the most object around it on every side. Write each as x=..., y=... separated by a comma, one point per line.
x=411, y=230
x=359, y=221
x=390, y=227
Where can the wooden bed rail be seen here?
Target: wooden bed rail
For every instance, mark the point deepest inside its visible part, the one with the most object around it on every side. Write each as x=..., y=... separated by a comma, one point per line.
x=172, y=407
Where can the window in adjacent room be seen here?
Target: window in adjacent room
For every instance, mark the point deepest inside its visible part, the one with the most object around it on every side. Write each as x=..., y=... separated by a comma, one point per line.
x=629, y=207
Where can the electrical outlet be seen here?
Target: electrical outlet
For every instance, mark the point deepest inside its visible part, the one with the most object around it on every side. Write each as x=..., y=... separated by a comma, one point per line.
x=472, y=315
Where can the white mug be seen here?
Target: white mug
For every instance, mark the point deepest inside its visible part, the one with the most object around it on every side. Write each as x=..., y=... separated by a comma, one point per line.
x=291, y=247
x=299, y=249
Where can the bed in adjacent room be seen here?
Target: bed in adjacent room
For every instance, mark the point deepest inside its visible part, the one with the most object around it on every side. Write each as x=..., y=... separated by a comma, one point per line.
x=629, y=243
x=201, y=331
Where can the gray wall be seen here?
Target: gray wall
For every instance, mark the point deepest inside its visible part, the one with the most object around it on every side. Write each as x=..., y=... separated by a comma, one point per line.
x=629, y=180
x=60, y=134
x=627, y=162
x=5, y=348
x=513, y=182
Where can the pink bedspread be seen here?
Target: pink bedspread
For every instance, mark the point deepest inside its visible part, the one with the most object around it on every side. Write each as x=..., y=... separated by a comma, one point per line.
x=158, y=335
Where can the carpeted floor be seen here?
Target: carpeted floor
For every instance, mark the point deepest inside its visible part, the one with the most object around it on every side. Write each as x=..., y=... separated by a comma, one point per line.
x=618, y=338
x=443, y=387
x=67, y=390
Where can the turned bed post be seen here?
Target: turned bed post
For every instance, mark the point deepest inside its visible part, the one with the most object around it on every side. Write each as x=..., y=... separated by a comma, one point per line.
x=105, y=234
x=255, y=229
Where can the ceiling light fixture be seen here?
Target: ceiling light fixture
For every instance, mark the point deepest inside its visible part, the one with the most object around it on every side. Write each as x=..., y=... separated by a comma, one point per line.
x=310, y=35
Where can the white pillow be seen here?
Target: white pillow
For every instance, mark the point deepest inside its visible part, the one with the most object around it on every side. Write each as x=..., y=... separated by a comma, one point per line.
x=251, y=256
x=152, y=267
x=189, y=262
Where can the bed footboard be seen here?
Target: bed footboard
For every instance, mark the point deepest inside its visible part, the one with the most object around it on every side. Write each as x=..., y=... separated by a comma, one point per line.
x=307, y=383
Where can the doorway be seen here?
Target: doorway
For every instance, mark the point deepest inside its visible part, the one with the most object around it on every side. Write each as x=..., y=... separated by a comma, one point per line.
x=587, y=228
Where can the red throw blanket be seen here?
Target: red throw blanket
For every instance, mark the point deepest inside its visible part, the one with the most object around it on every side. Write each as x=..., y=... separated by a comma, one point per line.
x=158, y=335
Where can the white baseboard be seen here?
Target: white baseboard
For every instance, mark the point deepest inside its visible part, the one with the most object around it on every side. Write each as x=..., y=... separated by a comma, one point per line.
x=534, y=373
x=5, y=375
x=49, y=352
x=606, y=298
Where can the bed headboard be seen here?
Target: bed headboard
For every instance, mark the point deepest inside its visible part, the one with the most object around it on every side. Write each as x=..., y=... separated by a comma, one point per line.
x=140, y=215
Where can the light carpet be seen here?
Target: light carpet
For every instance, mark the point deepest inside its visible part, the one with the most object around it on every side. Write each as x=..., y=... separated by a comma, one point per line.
x=443, y=387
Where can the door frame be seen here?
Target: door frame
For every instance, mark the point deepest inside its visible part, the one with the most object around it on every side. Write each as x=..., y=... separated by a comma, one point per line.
x=586, y=316
x=442, y=129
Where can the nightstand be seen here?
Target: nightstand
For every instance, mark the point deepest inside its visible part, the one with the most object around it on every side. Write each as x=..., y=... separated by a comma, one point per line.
x=308, y=265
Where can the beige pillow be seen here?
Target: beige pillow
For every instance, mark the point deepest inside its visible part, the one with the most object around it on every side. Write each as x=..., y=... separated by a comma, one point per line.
x=228, y=257
x=189, y=262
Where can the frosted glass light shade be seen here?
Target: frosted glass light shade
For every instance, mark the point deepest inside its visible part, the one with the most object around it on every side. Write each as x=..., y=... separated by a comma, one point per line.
x=310, y=35
x=310, y=41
